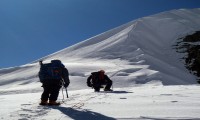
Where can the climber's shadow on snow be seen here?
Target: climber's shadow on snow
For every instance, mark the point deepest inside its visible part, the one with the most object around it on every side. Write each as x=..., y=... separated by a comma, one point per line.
x=82, y=114
x=117, y=92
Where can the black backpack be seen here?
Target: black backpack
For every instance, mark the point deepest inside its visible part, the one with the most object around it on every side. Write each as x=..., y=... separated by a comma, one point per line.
x=51, y=71
x=96, y=78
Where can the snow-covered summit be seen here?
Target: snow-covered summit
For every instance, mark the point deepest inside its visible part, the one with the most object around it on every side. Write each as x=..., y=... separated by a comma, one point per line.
x=137, y=52
x=148, y=33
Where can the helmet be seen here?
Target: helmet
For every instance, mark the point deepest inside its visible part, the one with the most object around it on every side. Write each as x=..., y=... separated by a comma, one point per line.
x=102, y=71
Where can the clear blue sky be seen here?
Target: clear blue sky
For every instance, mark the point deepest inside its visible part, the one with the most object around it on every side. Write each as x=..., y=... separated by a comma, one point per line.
x=31, y=29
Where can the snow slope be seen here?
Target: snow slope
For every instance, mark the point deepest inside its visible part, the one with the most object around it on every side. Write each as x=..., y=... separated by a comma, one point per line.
x=137, y=56
x=145, y=45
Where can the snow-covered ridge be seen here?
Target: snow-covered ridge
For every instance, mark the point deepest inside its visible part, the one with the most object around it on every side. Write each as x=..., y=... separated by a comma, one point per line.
x=160, y=29
x=137, y=52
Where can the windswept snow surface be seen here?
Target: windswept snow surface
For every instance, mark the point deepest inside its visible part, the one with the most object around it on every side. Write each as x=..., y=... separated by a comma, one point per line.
x=142, y=102
x=138, y=57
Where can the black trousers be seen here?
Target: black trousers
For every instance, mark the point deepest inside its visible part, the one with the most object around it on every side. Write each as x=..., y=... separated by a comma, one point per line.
x=98, y=86
x=51, y=92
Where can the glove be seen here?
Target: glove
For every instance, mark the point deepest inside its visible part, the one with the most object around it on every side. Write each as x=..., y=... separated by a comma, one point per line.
x=66, y=85
x=89, y=84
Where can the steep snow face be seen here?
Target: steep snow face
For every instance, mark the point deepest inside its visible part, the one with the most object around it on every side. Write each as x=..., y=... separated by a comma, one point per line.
x=148, y=40
x=137, y=52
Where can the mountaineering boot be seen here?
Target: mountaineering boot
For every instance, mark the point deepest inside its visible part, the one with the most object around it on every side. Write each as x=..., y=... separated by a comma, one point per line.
x=108, y=89
x=53, y=103
x=43, y=102
x=96, y=89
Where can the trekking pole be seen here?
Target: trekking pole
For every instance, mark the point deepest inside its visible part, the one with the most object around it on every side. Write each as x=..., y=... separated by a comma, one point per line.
x=65, y=88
